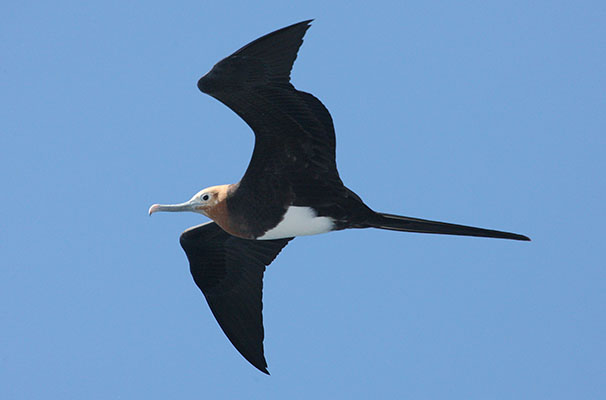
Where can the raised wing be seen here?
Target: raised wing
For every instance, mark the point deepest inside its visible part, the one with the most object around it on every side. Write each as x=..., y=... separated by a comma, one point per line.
x=294, y=134
x=229, y=271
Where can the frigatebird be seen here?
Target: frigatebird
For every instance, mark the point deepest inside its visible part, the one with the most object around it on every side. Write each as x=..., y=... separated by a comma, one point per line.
x=290, y=188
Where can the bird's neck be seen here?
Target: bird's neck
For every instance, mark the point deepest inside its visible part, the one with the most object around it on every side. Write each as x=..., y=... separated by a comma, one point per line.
x=220, y=213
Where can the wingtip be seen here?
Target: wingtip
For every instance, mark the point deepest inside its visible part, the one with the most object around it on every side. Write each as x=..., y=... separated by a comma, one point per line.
x=268, y=59
x=259, y=364
x=304, y=22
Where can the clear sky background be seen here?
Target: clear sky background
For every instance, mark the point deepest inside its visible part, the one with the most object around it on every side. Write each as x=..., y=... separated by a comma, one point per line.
x=490, y=114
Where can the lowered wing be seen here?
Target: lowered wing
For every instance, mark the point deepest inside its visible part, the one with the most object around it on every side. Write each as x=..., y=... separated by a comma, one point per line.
x=229, y=271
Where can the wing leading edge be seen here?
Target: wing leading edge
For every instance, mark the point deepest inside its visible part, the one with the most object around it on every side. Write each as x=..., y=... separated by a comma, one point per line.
x=294, y=132
x=229, y=272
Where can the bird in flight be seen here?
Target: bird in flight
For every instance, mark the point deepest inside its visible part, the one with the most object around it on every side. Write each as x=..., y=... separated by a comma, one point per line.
x=290, y=188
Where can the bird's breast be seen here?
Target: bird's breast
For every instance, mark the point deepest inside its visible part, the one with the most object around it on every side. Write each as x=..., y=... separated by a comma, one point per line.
x=299, y=221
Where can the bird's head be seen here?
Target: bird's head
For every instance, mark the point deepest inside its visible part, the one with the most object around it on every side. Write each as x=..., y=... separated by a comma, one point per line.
x=202, y=202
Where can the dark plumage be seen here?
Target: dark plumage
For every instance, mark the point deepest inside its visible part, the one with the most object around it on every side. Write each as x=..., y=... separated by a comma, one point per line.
x=291, y=188
x=229, y=271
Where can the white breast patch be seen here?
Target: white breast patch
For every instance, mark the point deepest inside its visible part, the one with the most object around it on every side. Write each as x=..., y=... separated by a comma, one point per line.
x=299, y=221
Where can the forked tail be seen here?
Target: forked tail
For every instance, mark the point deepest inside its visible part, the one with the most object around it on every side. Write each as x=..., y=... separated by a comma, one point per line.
x=408, y=224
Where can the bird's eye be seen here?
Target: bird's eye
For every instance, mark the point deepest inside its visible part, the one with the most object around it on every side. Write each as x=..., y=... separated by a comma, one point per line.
x=205, y=197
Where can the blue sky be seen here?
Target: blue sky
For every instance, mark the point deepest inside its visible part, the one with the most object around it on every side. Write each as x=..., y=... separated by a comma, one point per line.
x=483, y=113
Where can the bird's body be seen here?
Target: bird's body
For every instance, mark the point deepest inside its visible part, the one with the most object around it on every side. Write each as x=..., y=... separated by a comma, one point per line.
x=290, y=188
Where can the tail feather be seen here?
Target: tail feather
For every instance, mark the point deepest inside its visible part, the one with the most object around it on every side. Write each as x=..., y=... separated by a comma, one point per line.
x=408, y=224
